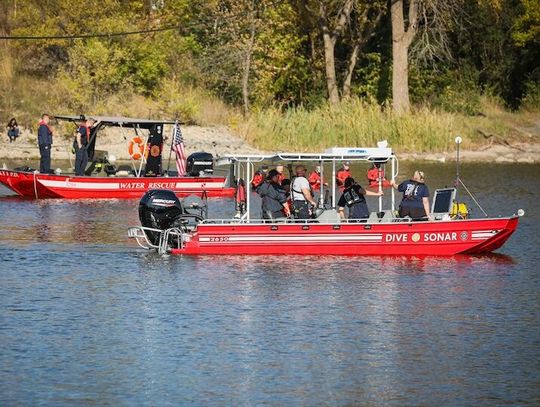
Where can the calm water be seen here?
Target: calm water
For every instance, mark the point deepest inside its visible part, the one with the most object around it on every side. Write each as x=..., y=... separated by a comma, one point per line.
x=87, y=318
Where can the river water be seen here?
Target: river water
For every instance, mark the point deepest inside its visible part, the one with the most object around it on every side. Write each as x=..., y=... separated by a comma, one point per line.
x=88, y=318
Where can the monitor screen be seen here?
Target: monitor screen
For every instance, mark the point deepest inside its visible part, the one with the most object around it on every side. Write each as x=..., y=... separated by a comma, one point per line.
x=443, y=200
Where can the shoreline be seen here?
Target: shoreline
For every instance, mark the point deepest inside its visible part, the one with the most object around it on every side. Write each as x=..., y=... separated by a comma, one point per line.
x=221, y=141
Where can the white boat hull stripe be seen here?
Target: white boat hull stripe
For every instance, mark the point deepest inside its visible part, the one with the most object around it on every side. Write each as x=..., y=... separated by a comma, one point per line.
x=129, y=185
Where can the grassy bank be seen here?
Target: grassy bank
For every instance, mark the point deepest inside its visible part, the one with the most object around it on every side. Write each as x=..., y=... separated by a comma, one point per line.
x=355, y=123
x=352, y=123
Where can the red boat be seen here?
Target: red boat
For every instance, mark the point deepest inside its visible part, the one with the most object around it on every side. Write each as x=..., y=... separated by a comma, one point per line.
x=117, y=183
x=170, y=227
x=33, y=185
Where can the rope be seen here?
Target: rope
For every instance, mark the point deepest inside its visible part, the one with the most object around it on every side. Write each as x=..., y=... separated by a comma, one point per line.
x=472, y=196
x=35, y=185
x=79, y=36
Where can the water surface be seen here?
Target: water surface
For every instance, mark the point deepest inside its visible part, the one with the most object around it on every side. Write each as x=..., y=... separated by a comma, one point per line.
x=88, y=318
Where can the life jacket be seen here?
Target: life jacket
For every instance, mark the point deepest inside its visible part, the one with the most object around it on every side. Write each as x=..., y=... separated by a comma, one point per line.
x=352, y=197
x=315, y=180
x=411, y=196
x=257, y=180
x=341, y=176
x=373, y=176
x=240, y=196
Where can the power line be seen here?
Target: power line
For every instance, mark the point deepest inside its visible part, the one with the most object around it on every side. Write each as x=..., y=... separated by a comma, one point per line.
x=79, y=36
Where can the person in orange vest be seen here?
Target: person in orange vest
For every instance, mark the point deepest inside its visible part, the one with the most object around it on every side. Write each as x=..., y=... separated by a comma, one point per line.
x=315, y=179
x=373, y=177
x=259, y=177
x=342, y=174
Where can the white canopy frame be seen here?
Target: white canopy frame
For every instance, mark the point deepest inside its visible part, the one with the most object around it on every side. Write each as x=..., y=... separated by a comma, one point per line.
x=332, y=156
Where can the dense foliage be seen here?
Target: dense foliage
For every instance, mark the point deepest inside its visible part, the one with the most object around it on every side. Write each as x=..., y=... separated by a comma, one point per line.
x=265, y=53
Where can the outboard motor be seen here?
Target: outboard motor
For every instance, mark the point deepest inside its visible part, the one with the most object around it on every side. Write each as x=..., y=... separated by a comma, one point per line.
x=159, y=209
x=200, y=164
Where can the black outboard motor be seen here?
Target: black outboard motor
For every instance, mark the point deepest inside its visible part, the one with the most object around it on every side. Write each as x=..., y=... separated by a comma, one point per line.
x=159, y=209
x=200, y=162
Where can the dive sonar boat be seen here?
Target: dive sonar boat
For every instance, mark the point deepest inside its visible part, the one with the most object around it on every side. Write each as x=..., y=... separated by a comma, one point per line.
x=103, y=179
x=169, y=226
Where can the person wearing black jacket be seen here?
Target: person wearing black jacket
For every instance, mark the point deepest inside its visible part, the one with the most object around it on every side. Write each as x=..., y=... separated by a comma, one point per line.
x=354, y=198
x=274, y=198
x=82, y=138
x=45, y=140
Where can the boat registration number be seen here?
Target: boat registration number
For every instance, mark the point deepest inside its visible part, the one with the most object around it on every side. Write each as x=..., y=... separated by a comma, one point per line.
x=8, y=174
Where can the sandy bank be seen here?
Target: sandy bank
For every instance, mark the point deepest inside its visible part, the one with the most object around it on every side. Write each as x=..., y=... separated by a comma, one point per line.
x=221, y=141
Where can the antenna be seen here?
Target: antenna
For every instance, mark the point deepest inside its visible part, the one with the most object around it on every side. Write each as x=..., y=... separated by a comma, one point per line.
x=458, y=181
x=458, y=141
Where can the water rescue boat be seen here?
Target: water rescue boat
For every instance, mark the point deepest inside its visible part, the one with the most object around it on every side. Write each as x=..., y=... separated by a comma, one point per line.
x=168, y=226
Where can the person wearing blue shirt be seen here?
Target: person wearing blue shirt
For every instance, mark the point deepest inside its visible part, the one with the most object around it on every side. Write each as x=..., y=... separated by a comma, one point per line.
x=415, y=202
x=45, y=140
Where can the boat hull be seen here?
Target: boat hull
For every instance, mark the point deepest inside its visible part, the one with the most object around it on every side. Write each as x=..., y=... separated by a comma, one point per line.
x=43, y=186
x=441, y=238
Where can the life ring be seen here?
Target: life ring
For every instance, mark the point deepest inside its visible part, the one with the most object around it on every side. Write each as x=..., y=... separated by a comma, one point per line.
x=136, y=148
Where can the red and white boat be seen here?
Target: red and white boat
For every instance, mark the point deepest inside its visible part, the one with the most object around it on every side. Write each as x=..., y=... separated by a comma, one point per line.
x=169, y=227
x=123, y=184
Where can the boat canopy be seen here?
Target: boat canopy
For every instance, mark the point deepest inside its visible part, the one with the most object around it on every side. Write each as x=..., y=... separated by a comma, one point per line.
x=381, y=155
x=118, y=121
x=377, y=155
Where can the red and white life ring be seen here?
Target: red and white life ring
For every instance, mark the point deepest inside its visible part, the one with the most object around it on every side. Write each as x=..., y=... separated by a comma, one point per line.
x=136, y=148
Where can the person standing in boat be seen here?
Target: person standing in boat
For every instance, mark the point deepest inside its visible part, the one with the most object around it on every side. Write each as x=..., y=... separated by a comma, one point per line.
x=354, y=197
x=274, y=198
x=45, y=140
x=415, y=202
x=82, y=137
x=342, y=174
x=315, y=181
x=302, y=196
x=280, y=169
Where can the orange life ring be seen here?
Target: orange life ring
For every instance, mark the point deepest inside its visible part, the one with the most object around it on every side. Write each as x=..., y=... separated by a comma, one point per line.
x=136, y=148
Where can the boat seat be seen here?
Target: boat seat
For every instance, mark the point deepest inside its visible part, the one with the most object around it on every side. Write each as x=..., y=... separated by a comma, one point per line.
x=373, y=217
x=329, y=216
x=388, y=217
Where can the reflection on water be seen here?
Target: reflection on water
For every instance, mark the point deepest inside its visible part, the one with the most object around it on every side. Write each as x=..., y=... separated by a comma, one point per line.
x=86, y=317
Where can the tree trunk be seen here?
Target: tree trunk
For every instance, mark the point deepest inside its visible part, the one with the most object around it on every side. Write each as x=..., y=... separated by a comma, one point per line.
x=400, y=77
x=350, y=69
x=401, y=40
x=330, y=67
x=246, y=70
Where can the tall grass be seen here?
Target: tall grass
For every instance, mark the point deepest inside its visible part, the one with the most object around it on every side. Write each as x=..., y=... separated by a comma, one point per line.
x=356, y=123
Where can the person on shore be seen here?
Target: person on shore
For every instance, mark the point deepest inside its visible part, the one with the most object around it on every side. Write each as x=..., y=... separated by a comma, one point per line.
x=45, y=141
x=13, y=130
x=415, y=202
x=302, y=197
x=354, y=197
x=342, y=174
x=82, y=138
x=274, y=198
